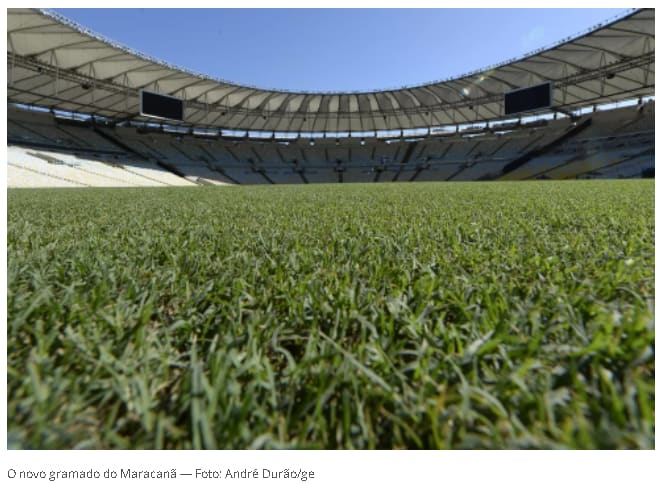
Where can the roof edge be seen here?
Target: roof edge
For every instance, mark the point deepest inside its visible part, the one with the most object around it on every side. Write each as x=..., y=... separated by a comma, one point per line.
x=86, y=31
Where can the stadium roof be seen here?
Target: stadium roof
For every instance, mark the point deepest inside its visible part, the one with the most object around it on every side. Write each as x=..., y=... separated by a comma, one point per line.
x=55, y=63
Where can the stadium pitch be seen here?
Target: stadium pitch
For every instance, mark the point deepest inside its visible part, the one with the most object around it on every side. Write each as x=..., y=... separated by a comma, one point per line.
x=429, y=315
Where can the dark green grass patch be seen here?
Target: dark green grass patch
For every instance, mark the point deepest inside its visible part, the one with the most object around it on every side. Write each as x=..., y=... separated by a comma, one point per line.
x=467, y=315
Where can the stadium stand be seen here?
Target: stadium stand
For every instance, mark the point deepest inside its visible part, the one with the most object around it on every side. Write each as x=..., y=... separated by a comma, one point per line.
x=612, y=135
x=81, y=159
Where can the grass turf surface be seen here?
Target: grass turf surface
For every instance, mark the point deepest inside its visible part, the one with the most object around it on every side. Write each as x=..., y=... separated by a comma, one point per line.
x=466, y=315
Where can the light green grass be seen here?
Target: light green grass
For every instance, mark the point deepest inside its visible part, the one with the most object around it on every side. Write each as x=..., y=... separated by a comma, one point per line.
x=466, y=315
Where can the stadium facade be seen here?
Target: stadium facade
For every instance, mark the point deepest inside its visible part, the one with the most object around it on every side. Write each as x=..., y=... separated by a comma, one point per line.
x=75, y=117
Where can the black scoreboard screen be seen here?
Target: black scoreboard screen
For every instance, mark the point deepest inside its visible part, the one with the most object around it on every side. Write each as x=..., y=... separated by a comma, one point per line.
x=528, y=99
x=160, y=106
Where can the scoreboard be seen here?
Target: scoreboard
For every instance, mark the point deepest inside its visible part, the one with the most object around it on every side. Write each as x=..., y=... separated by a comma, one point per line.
x=161, y=106
x=528, y=99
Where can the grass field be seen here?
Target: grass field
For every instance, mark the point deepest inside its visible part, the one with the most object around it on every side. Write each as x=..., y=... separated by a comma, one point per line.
x=465, y=315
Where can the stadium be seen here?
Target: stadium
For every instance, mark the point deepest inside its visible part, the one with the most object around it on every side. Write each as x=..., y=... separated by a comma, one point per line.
x=165, y=295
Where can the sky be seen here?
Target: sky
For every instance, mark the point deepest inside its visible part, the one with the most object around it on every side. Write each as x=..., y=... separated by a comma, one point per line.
x=336, y=50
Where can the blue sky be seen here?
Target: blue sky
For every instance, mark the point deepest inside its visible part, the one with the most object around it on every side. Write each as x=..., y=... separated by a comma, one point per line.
x=336, y=50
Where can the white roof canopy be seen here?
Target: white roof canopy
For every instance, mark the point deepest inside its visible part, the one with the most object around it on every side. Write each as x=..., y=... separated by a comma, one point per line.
x=54, y=63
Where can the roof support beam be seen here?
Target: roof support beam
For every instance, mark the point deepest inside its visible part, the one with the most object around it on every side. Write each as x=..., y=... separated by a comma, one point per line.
x=64, y=46
x=12, y=68
x=100, y=59
x=580, y=69
x=633, y=32
x=205, y=93
x=601, y=50
x=224, y=97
